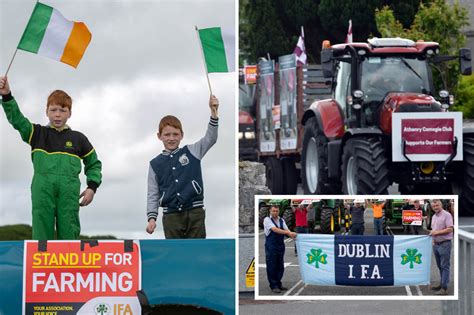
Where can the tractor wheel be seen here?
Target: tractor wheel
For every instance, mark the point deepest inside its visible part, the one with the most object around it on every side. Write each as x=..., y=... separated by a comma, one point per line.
x=314, y=171
x=274, y=173
x=467, y=194
x=262, y=214
x=290, y=174
x=289, y=216
x=364, y=167
x=328, y=221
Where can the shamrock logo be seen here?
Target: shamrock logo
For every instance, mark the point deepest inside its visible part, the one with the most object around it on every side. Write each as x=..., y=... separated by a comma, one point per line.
x=411, y=257
x=316, y=257
x=102, y=309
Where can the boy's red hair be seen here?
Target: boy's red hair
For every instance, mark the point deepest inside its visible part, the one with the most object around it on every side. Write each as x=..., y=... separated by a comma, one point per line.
x=60, y=98
x=170, y=121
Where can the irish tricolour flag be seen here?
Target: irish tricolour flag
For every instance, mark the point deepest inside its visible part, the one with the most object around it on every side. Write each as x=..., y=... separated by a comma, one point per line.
x=218, y=47
x=49, y=34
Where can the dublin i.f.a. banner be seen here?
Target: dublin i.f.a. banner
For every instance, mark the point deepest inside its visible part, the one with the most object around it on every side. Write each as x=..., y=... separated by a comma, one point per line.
x=364, y=260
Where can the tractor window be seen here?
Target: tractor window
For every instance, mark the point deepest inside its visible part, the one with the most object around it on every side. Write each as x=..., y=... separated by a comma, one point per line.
x=343, y=84
x=381, y=75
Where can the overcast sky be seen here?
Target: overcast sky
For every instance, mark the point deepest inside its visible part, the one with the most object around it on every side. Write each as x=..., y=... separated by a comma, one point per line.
x=143, y=63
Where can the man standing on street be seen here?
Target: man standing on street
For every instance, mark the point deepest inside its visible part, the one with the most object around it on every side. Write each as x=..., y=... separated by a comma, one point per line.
x=377, y=209
x=357, y=212
x=275, y=230
x=301, y=220
x=442, y=233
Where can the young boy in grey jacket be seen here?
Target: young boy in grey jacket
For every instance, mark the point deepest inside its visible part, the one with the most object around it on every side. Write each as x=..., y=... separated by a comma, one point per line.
x=175, y=179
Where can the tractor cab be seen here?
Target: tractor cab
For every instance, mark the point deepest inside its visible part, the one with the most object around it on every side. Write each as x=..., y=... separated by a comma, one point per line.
x=365, y=75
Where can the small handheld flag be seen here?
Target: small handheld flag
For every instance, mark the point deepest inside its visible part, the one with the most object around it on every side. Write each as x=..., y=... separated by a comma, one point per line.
x=300, y=50
x=218, y=50
x=349, y=33
x=49, y=34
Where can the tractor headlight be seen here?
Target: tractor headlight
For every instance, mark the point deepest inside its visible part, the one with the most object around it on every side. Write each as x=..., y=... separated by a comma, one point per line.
x=358, y=94
x=443, y=93
x=250, y=135
x=445, y=99
x=356, y=100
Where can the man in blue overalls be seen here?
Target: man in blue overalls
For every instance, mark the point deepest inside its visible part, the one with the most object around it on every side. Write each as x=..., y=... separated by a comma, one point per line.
x=275, y=230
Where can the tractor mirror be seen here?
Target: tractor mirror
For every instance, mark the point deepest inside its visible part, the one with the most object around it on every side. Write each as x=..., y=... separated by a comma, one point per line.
x=465, y=61
x=327, y=64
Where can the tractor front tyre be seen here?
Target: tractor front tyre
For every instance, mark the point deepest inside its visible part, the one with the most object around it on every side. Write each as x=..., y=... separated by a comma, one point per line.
x=262, y=214
x=289, y=218
x=467, y=194
x=364, y=167
x=314, y=172
x=327, y=220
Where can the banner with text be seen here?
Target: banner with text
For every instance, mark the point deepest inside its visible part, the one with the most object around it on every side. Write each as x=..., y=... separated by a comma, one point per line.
x=288, y=119
x=412, y=217
x=266, y=103
x=250, y=74
x=359, y=260
x=65, y=279
x=426, y=136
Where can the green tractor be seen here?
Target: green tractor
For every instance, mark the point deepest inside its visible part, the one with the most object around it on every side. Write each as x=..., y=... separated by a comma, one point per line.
x=393, y=212
x=286, y=211
x=329, y=214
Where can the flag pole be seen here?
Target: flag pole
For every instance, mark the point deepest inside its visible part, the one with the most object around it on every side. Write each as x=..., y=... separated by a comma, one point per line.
x=203, y=60
x=8, y=69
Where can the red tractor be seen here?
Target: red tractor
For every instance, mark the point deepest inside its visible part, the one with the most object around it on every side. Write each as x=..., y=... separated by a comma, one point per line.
x=385, y=124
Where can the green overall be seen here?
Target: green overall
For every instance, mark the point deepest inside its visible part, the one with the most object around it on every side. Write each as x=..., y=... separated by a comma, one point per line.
x=55, y=189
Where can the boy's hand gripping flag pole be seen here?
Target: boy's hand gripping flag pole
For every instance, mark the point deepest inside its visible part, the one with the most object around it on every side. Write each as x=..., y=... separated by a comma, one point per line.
x=51, y=35
x=217, y=50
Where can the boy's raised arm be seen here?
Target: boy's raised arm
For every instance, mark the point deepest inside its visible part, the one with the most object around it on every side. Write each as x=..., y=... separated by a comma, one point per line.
x=13, y=113
x=200, y=148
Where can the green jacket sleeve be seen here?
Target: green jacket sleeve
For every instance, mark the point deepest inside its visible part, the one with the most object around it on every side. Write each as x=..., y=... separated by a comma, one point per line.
x=93, y=170
x=16, y=118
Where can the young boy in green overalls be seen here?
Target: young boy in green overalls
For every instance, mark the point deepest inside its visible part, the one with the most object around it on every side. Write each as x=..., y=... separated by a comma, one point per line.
x=56, y=152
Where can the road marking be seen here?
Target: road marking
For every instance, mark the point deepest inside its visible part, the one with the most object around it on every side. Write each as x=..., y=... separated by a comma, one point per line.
x=261, y=233
x=408, y=290
x=285, y=265
x=300, y=290
x=292, y=288
x=288, y=240
x=418, y=290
